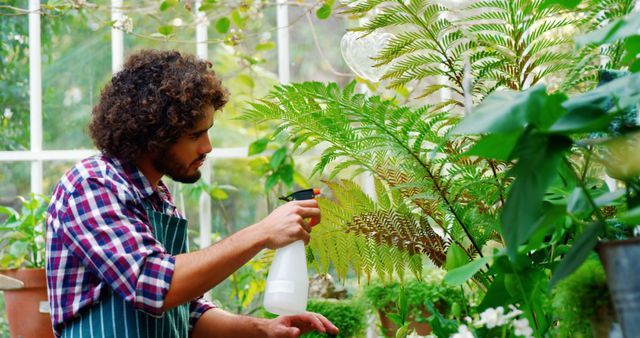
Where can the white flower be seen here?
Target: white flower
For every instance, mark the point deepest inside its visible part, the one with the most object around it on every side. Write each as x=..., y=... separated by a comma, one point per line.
x=492, y=317
x=522, y=328
x=8, y=113
x=463, y=332
x=177, y=22
x=124, y=24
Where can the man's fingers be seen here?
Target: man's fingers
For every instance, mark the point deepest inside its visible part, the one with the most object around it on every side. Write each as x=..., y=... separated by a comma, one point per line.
x=312, y=203
x=327, y=324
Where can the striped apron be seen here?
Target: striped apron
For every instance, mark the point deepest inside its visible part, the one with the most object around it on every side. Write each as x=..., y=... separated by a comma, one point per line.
x=113, y=317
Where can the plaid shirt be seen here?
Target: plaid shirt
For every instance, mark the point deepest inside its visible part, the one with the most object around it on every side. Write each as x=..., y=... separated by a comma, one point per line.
x=99, y=238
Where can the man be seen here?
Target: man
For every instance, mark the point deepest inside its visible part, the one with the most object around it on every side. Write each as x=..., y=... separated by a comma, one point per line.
x=117, y=264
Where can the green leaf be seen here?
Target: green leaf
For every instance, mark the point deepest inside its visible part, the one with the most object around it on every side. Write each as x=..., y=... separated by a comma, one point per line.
x=19, y=249
x=456, y=257
x=503, y=112
x=166, y=5
x=578, y=203
x=324, y=12
x=246, y=80
x=618, y=29
x=496, y=146
x=631, y=217
x=569, y=4
x=278, y=157
x=270, y=182
x=258, y=146
x=590, y=111
x=460, y=275
x=218, y=194
x=165, y=30
x=539, y=159
x=286, y=174
x=237, y=19
x=222, y=25
x=206, y=7
x=265, y=46
x=580, y=250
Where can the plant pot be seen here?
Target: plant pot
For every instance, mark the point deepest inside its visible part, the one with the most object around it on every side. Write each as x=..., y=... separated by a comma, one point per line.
x=621, y=265
x=390, y=327
x=23, y=305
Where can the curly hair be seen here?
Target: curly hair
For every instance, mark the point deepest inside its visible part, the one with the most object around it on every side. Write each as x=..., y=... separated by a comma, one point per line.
x=152, y=101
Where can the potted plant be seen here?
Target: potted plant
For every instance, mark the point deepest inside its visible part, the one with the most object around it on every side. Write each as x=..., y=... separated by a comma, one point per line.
x=22, y=247
x=407, y=304
x=349, y=315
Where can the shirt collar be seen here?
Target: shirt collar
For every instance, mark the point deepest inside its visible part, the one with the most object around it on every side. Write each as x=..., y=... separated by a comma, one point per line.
x=142, y=185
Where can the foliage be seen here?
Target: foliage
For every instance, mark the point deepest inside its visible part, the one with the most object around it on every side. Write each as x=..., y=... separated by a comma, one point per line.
x=417, y=294
x=516, y=184
x=579, y=298
x=348, y=315
x=592, y=57
x=508, y=44
x=416, y=167
x=23, y=234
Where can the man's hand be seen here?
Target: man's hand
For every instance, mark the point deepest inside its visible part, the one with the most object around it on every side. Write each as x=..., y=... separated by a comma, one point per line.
x=287, y=223
x=297, y=325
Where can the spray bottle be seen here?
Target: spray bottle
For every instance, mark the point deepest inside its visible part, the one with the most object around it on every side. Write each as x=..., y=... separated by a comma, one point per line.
x=288, y=283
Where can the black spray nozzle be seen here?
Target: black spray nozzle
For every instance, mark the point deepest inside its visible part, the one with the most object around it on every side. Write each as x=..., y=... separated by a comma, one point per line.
x=306, y=194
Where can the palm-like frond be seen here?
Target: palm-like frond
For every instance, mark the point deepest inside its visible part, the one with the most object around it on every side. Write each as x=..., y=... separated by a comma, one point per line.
x=512, y=44
x=590, y=58
x=406, y=150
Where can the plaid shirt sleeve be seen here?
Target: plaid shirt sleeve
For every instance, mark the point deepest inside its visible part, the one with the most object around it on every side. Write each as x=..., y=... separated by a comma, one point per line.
x=196, y=309
x=105, y=231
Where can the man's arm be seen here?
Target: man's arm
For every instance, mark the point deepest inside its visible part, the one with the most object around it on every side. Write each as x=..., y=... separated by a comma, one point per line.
x=197, y=272
x=219, y=323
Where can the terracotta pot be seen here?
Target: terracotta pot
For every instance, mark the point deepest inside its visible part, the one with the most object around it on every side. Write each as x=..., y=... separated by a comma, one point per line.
x=390, y=327
x=23, y=305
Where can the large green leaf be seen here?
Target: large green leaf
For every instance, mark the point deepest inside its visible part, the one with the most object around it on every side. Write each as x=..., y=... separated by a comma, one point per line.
x=503, y=112
x=460, y=275
x=591, y=110
x=539, y=157
x=580, y=250
x=497, y=146
x=616, y=30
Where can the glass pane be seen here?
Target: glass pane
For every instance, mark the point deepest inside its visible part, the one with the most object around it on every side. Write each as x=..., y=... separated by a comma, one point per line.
x=14, y=181
x=52, y=172
x=73, y=73
x=243, y=54
x=322, y=62
x=14, y=79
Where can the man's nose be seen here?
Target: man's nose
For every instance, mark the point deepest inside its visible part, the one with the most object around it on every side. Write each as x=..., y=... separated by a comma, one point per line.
x=206, y=146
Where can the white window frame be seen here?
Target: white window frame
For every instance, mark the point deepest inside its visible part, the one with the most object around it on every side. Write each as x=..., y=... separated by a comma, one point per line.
x=36, y=155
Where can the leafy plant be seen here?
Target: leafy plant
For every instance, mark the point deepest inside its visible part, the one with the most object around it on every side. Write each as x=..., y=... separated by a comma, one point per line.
x=348, y=315
x=398, y=146
x=515, y=186
x=507, y=44
x=23, y=234
x=416, y=293
x=581, y=297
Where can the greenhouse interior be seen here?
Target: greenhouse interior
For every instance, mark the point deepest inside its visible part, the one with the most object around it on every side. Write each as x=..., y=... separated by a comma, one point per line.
x=319, y=168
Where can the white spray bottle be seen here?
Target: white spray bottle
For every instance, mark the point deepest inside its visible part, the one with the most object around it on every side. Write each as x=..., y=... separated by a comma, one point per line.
x=287, y=287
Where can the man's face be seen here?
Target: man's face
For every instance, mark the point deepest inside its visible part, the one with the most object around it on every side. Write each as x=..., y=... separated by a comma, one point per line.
x=183, y=159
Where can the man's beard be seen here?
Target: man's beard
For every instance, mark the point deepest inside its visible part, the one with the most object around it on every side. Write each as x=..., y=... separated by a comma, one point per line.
x=169, y=165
